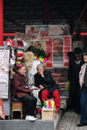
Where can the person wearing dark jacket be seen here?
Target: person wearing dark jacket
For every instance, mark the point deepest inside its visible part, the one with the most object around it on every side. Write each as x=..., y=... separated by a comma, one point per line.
x=75, y=63
x=21, y=91
x=44, y=81
x=69, y=54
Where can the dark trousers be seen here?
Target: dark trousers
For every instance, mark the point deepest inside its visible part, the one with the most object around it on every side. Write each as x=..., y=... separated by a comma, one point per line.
x=83, y=103
x=75, y=95
x=29, y=102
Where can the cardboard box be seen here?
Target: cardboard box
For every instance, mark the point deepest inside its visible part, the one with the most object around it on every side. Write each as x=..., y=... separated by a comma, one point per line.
x=48, y=113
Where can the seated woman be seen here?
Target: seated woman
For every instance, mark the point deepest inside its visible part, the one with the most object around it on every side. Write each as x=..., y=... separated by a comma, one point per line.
x=44, y=80
x=21, y=91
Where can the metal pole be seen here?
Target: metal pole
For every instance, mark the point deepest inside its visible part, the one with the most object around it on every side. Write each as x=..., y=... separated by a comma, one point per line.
x=79, y=19
x=1, y=22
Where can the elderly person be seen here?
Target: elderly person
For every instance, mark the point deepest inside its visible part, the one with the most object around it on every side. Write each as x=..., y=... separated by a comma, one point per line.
x=83, y=99
x=44, y=81
x=21, y=91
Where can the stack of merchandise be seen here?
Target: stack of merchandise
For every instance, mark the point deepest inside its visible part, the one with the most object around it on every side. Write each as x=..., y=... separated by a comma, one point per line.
x=17, y=48
x=17, y=42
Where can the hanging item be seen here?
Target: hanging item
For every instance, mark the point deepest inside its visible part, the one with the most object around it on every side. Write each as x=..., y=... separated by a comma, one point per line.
x=9, y=42
x=20, y=58
x=17, y=42
x=28, y=57
x=25, y=44
x=13, y=54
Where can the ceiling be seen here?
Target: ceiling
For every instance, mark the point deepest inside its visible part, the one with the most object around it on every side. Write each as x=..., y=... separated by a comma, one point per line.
x=18, y=13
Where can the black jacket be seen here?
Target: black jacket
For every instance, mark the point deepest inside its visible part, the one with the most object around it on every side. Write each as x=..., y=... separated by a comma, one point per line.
x=47, y=82
x=73, y=70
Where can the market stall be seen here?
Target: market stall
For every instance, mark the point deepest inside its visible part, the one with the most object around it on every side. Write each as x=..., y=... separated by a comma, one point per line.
x=42, y=44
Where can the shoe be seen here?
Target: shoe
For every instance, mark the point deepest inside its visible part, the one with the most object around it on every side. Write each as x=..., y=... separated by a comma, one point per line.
x=81, y=124
x=30, y=118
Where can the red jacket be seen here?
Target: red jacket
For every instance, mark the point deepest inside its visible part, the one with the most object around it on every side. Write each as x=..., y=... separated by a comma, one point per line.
x=18, y=86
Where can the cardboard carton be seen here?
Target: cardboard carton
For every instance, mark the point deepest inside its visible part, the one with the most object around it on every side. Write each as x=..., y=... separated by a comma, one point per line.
x=48, y=113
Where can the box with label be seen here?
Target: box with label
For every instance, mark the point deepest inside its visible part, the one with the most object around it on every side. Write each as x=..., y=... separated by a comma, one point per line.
x=48, y=113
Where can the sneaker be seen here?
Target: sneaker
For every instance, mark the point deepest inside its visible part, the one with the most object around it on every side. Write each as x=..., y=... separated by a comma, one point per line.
x=30, y=118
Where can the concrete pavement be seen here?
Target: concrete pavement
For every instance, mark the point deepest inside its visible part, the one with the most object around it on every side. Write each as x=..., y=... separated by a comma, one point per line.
x=69, y=121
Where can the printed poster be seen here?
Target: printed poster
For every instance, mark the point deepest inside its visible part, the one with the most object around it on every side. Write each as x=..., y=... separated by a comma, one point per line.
x=38, y=49
x=58, y=54
x=64, y=30
x=63, y=74
x=53, y=30
x=37, y=32
x=61, y=46
x=67, y=48
x=49, y=62
x=59, y=30
x=4, y=76
x=38, y=44
x=60, y=76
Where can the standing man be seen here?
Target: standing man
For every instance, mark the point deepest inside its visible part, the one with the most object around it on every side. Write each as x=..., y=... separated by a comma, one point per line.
x=83, y=99
x=44, y=80
x=21, y=91
x=75, y=63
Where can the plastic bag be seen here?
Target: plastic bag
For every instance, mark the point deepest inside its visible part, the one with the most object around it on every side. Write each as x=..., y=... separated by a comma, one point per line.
x=2, y=115
x=67, y=87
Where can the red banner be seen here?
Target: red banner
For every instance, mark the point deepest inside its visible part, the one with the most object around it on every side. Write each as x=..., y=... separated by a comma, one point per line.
x=67, y=48
x=49, y=62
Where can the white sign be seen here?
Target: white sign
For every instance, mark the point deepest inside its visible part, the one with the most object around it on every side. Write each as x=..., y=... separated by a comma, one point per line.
x=4, y=75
